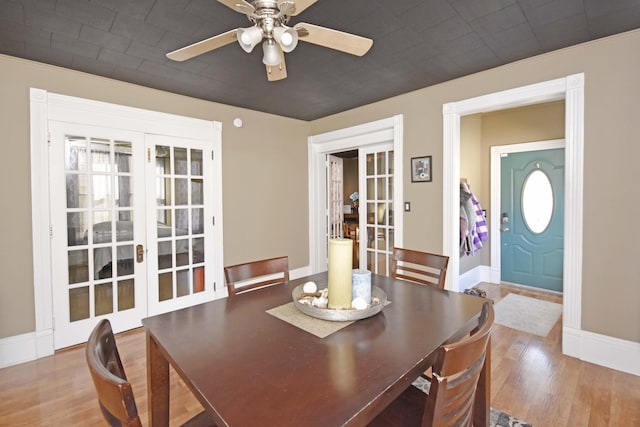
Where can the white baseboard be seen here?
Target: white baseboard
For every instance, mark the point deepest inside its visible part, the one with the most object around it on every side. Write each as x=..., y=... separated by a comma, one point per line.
x=496, y=275
x=469, y=279
x=26, y=347
x=602, y=350
x=571, y=339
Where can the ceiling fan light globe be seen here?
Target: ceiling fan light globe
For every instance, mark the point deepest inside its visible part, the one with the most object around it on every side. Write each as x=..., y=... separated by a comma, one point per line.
x=245, y=39
x=248, y=38
x=287, y=38
x=272, y=56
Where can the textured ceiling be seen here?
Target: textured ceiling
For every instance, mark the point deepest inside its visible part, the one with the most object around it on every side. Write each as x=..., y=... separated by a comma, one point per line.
x=417, y=43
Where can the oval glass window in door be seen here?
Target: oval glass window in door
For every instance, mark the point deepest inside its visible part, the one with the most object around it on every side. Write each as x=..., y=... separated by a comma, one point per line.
x=537, y=201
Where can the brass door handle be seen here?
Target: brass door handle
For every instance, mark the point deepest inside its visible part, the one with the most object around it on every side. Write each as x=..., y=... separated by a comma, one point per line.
x=139, y=253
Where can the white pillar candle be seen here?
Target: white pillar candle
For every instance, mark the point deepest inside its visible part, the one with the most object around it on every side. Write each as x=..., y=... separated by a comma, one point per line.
x=361, y=285
x=340, y=259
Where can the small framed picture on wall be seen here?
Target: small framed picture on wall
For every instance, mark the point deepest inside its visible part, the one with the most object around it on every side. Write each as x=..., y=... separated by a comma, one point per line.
x=421, y=169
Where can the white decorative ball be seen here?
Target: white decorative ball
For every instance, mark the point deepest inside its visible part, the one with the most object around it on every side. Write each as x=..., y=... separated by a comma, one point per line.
x=359, y=304
x=309, y=288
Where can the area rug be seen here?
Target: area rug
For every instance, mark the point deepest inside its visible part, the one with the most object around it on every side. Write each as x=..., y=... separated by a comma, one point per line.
x=527, y=314
x=497, y=418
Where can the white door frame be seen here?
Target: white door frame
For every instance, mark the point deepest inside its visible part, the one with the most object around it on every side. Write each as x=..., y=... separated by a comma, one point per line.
x=496, y=196
x=384, y=130
x=45, y=106
x=571, y=89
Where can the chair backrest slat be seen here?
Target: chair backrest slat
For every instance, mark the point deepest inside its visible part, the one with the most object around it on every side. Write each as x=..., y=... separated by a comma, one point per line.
x=420, y=267
x=257, y=274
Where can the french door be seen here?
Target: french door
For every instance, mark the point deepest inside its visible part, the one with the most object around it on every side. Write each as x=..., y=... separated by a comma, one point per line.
x=128, y=232
x=376, y=199
x=179, y=222
x=335, y=202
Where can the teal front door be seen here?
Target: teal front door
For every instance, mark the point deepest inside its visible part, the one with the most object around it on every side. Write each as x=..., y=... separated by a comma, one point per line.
x=532, y=218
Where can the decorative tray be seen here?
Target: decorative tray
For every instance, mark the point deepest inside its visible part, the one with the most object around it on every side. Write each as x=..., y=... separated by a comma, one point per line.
x=378, y=301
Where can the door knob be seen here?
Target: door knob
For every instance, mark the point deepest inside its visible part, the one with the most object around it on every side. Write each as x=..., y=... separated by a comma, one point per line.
x=139, y=253
x=504, y=229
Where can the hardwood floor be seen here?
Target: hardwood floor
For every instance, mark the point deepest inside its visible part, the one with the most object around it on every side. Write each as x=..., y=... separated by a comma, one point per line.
x=534, y=381
x=531, y=380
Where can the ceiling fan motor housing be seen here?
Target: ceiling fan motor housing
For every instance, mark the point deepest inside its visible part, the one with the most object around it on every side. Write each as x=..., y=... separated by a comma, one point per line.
x=267, y=15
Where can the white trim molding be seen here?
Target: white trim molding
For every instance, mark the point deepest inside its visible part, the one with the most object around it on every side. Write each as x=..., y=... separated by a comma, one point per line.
x=602, y=350
x=569, y=88
x=42, y=283
x=476, y=275
x=25, y=347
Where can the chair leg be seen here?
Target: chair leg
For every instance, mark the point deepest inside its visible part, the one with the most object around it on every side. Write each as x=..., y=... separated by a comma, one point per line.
x=481, y=404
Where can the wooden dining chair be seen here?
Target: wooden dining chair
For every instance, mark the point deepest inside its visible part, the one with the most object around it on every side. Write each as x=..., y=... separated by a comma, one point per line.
x=420, y=267
x=451, y=397
x=115, y=395
x=256, y=274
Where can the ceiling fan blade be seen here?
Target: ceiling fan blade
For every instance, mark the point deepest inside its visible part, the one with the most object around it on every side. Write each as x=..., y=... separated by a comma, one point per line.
x=286, y=7
x=241, y=6
x=203, y=46
x=300, y=5
x=277, y=72
x=333, y=39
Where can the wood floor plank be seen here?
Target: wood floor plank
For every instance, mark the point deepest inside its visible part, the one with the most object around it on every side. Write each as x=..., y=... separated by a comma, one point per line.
x=531, y=380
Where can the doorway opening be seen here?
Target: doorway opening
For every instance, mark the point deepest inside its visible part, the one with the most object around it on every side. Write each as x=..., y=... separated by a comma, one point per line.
x=379, y=147
x=571, y=89
x=345, y=218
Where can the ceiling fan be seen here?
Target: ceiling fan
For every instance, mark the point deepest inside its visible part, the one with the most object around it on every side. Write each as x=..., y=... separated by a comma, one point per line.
x=270, y=18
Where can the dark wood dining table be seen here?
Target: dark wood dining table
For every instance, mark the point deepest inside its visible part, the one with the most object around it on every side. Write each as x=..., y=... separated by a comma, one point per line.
x=249, y=368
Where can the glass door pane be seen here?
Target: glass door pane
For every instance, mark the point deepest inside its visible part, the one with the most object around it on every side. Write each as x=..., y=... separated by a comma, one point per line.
x=94, y=201
x=178, y=229
x=377, y=198
x=99, y=211
x=335, y=197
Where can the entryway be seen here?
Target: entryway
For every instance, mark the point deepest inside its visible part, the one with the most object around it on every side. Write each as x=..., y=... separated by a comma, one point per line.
x=530, y=199
x=571, y=89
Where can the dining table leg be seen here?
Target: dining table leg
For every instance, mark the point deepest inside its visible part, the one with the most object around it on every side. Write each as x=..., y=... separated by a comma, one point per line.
x=157, y=385
x=482, y=403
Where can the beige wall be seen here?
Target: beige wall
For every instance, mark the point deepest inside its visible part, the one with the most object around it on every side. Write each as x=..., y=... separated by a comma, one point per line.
x=350, y=179
x=611, y=295
x=264, y=176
